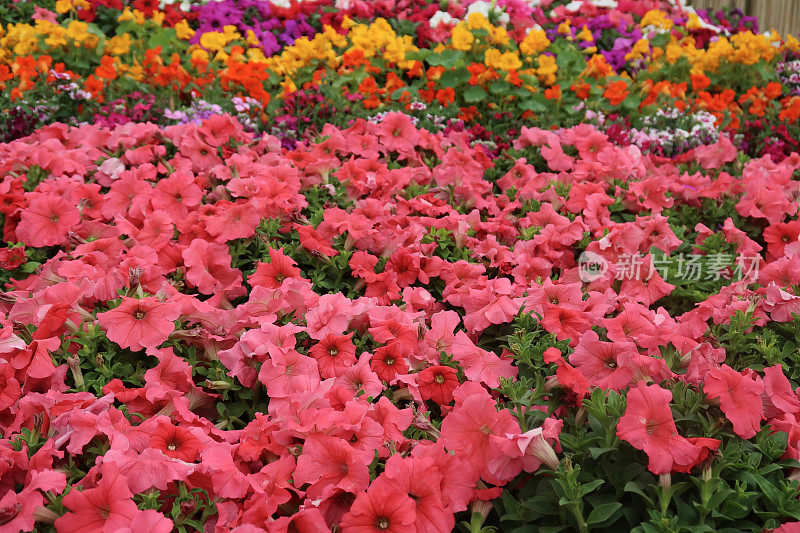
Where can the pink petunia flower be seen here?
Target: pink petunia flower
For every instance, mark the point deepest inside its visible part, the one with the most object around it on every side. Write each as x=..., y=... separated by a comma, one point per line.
x=648, y=425
x=140, y=323
x=46, y=220
x=740, y=398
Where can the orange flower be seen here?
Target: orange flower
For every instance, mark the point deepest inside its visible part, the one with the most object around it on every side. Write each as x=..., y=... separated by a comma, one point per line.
x=699, y=82
x=581, y=90
x=94, y=85
x=597, y=67
x=393, y=82
x=513, y=78
x=791, y=109
x=553, y=93
x=616, y=92
x=368, y=86
x=476, y=69
x=106, y=69
x=773, y=90
x=416, y=70
x=467, y=114
x=434, y=73
x=354, y=58
x=429, y=93
x=446, y=96
x=372, y=102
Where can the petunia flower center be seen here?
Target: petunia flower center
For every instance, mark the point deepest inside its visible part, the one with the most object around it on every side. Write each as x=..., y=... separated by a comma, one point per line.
x=439, y=379
x=382, y=523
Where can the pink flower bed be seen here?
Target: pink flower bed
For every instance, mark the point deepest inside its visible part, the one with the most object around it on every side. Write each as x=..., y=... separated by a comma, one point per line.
x=288, y=340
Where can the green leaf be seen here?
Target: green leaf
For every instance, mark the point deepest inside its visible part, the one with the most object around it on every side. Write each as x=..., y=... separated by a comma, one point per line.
x=447, y=59
x=500, y=87
x=536, y=103
x=474, y=94
x=603, y=512
x=634, y=487
x=454, y=77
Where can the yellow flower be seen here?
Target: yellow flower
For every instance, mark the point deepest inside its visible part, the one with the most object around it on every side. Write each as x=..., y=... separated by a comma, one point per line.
x=499, y=61
x=656, y=18
x=256, y=54
x=158, y=17
x=534, y=43
x=673, y=53
x=585, y=34
x=78, y=31
x=547, y=69
x=199, y=54
x=127, y=14
x=213, y=40
x=91, y=41
x=183, y=30
x=395, y=51
x=135, y=15
x=564, y=28
x=639, y=51
x=62, y=6
x=336, y=39
x=791, y=44
x=119, y=45
x=136, y=71
x=288, y=86
x=694, y=22
x=230, y=33
x=347, y=23
x=462, y=38
x=477, y=21
x=251, y=39
x=499, y=35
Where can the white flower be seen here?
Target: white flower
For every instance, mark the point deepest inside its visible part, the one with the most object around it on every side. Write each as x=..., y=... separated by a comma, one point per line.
x=610, y=4
x=441, y=17
x=484, y=8
x=112, y=166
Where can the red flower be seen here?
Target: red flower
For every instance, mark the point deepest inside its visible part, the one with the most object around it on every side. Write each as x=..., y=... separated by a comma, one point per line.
x=46, y=220
x=108, y=507
x=12, y=258
x=740, y=398
x=176, y=442
x=140, y=324
x=334, y=354
x=388, y=362
x=648, y=425
x=312, y=241
x=437, y=383
x=380, y=510
x=272, y=274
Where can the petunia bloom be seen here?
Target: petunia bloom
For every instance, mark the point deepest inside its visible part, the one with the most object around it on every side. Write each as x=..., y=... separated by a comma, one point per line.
x=140, y=323
x=648, y=425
